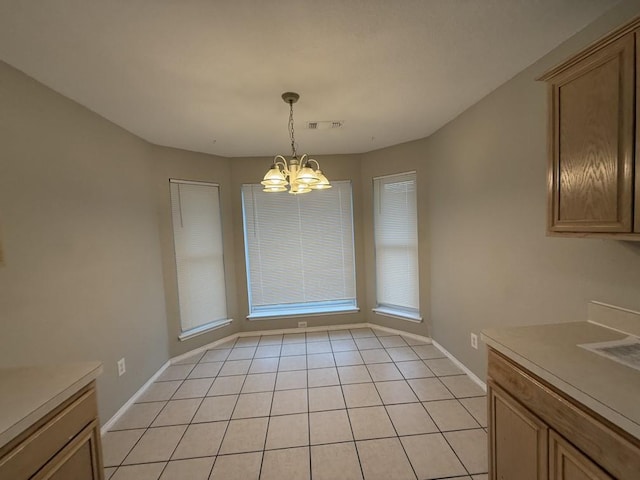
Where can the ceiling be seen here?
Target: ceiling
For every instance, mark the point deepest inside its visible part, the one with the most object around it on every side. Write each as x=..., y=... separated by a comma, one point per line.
x=207, y=75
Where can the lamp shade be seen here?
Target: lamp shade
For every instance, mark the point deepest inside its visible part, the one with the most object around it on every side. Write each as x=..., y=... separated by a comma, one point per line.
x=274, y=177
x=274, y=188
x=323, y=182
x=307, y=176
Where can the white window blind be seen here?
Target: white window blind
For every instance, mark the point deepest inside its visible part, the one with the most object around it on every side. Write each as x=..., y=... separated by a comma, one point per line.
x=396, y=244
x=197, y=234
x=299, y=249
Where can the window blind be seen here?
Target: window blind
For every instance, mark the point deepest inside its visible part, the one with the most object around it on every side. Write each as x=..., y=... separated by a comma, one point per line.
x=299, y=250
x=396, y=243
x=197, y=234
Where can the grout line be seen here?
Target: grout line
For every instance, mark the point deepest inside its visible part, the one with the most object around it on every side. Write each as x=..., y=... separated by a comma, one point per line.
x=354, y=351
x=346, y=409
x=146, y=429
x=436, y=425
x=302, y=446
x=393, y=425
x=266, y=433
x=230, y=415
x=471, y=413
x=309, y=422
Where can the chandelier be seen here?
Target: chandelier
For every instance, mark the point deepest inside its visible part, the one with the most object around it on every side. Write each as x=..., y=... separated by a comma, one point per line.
x=296, y=175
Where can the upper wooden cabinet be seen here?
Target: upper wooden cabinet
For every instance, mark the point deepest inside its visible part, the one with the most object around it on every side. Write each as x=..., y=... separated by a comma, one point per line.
x=593, y=175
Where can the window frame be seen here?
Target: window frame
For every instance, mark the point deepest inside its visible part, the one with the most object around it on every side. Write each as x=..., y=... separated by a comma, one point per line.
x=401, y=312
x=203, y=328
x=299, y=309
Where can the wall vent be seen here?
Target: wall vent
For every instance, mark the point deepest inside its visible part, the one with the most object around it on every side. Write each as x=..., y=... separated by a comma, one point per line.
x=324, y=125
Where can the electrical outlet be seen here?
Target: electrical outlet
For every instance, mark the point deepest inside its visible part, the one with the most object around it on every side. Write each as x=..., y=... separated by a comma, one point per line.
x=122, y=368
x=302, y=324
x=474, y=341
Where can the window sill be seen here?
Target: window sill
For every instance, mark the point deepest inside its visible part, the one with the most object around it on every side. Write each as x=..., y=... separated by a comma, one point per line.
x=202, y=329
x=273, y=315
x=393, y=313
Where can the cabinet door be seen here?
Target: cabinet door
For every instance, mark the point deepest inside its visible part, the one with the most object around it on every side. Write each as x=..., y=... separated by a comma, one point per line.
x=79, y=460
x=637, y=169
x=517, y=439
x=567, y=463
x=592, y=141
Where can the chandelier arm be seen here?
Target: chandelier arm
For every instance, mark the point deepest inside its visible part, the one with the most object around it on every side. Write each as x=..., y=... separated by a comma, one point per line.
x=314, y=161
x=280, y=161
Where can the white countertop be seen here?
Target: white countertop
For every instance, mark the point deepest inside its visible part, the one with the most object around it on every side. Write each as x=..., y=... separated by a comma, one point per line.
x=551, y=352
x=29, y=393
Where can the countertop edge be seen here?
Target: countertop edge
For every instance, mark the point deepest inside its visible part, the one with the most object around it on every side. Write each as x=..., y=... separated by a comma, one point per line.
x=585, y=399
x=27, y=421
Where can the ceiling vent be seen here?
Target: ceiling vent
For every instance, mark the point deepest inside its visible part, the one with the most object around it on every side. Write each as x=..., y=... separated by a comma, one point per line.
x=326, y=125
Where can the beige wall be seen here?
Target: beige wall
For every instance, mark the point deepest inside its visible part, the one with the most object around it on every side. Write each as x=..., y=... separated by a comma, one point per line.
x=82, y=277
x=183, y=165
x=485, y=192
x=89, y=266
x=336, y=167
x=388, y=161
x=89, y=271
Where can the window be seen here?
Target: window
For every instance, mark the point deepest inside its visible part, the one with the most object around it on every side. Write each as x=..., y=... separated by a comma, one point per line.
x=396, y=246
x=197, y=235
x=299, y=251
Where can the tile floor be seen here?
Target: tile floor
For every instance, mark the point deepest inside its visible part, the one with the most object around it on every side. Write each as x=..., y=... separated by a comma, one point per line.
x=338, y=405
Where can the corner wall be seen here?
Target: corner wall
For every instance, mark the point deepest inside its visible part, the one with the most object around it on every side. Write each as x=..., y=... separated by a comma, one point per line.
x=184, y=165
x=485, y=182
x=82, y=277
x=389, y=161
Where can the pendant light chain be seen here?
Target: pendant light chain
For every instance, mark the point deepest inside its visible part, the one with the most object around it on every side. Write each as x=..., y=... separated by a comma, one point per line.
x=291, y=131
x=296, y=175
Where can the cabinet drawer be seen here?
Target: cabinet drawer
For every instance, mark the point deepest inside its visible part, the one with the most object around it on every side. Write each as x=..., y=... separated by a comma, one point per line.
x=33, y=452
x=79, y=460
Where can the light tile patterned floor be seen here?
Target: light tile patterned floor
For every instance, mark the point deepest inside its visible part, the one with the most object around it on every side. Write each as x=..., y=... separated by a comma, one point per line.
x=356, y=404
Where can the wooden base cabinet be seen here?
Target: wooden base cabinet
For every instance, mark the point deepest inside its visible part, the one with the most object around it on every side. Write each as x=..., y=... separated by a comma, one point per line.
x=518, y=438
x=65, y=445
x=537, y=432
x=78, y=460
x=568, y=463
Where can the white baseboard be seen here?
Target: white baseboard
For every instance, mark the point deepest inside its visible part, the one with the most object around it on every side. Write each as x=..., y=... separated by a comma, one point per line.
x=109, y=423
x=461, y=366
x=208, y=346
x=415, y=336
x=283, y=331
x=257, y=333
